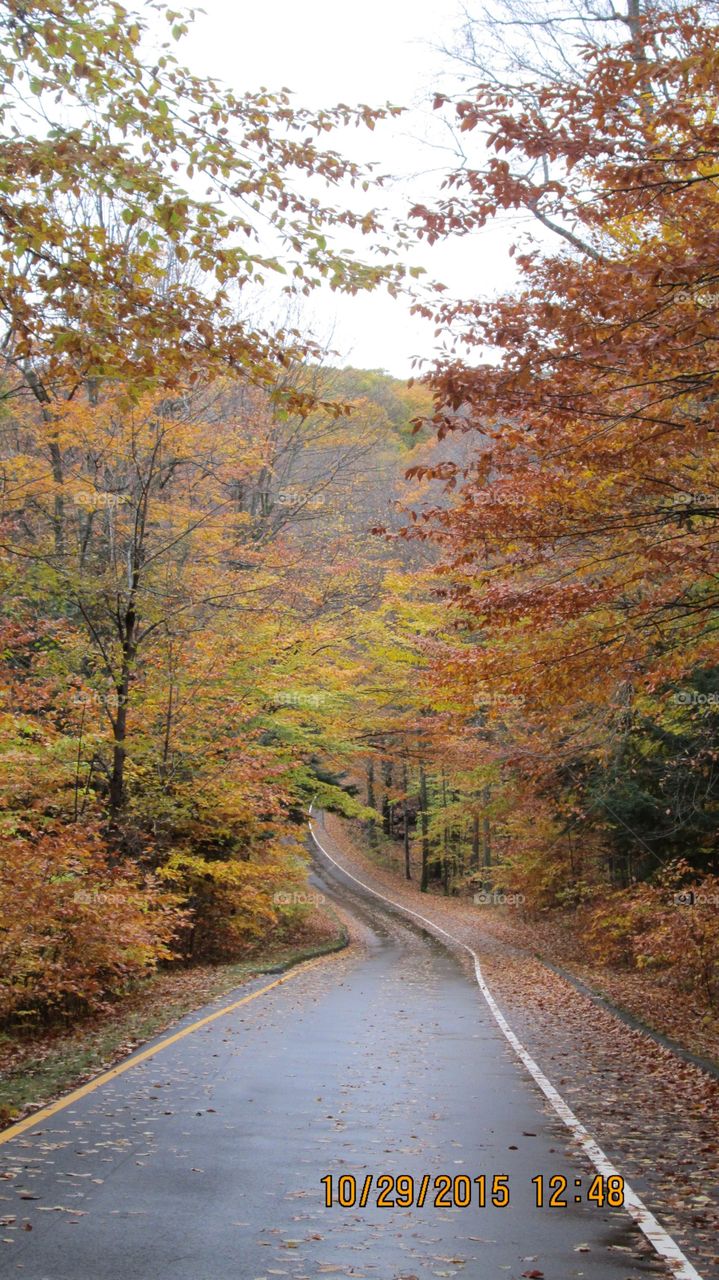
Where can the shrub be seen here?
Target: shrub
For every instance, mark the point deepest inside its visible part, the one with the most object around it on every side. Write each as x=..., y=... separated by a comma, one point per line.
x=75, y=931
x=230, y=902
x=670, y=925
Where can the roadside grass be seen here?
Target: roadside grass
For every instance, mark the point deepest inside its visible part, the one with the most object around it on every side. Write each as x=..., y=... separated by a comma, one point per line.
x=39, y=1065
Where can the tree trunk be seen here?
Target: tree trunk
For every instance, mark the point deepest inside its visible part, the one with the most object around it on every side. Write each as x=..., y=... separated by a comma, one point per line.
x=445, y=838
x=424, y=818
x=475, y=842
x=634, y=22
x=41, y=395
x=371, y=825
x=119, y=724
x=405, y=826
x=386, y=805
x=486, y=840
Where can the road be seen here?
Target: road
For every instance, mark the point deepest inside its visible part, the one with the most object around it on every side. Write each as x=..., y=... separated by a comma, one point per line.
x=204, y=1162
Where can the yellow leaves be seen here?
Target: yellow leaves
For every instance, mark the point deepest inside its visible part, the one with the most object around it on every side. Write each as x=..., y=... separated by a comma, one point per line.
x=234, y=900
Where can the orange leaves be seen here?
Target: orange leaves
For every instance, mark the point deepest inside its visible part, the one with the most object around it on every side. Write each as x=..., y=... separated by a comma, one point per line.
x=605, y=394
x=579, y=546
x=672, y=925
x=57, y=954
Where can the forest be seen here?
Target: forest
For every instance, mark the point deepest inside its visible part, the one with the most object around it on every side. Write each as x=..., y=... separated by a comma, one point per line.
x=472, y=613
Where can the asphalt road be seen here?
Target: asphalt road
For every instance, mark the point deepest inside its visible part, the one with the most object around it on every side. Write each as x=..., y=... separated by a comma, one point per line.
x=204, y=1163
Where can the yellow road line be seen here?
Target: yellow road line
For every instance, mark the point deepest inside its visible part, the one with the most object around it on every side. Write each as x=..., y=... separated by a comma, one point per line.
x=37, y=1118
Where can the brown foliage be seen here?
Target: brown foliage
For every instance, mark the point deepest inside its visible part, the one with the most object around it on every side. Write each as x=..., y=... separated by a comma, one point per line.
x=671, y=925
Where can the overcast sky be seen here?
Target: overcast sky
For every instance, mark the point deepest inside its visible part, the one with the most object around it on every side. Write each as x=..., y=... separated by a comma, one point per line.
x=380, y=50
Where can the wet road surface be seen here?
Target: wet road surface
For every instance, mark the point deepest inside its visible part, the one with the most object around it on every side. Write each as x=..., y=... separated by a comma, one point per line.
x=205, y=1162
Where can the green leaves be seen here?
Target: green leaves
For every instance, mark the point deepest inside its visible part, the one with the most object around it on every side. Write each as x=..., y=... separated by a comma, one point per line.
x=92, y=61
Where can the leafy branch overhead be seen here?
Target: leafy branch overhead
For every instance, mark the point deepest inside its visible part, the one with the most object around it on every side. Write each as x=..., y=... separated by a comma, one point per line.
x=139, y=199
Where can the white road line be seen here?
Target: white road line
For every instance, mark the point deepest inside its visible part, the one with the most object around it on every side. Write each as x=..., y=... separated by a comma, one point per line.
x=660, y=1239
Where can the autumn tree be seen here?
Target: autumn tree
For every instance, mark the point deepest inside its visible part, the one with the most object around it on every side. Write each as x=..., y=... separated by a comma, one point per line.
x=116, y=263
x=580, y=541
x=141, y=205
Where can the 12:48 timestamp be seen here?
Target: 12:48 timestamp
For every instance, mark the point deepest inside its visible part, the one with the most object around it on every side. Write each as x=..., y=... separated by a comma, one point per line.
x=554, y=1192
x=460, y=1191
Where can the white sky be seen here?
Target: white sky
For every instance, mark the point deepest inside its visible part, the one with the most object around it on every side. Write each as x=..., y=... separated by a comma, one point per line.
x=379, y=50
